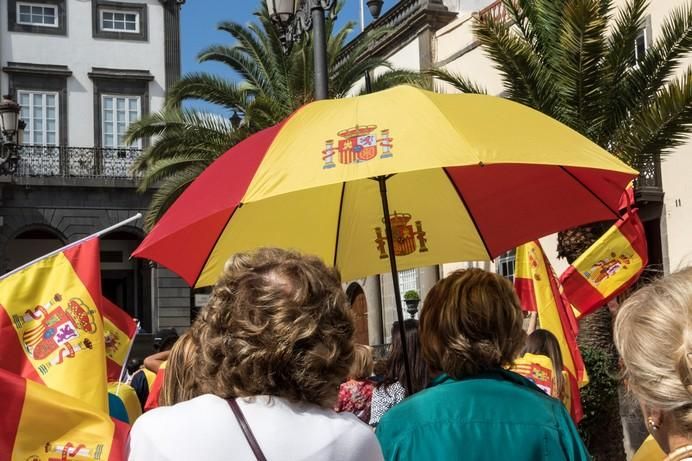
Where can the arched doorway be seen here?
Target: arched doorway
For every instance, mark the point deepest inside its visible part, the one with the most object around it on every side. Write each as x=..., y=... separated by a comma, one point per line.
x=359, y=306
x=126, y=281
x=30, y=244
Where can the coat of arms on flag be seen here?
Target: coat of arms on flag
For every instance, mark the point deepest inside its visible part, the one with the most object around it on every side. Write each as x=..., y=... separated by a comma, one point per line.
x=357, y=144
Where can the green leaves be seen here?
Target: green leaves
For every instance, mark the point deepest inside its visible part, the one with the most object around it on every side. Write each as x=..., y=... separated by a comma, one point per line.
x=573, y=60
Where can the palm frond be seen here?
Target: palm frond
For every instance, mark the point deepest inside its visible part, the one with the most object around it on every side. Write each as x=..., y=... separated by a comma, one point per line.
x=457, y=81
x=209, y=88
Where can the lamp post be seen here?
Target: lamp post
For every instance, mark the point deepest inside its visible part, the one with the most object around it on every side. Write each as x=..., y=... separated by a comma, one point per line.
x=296, y=17
x=10, y=127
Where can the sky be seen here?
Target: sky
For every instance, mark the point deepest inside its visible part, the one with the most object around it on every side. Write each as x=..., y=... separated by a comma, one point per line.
x=199, y=19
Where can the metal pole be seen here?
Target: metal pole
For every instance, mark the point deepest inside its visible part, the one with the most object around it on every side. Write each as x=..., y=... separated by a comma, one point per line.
x=319, y=46
x=382, y=180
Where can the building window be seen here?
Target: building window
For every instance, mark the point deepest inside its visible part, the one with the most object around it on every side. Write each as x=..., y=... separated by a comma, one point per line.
x=40, y=112
x=37, y=14
x=117, y=114
x=120, y=21
x=408, y=280
x=504, y=265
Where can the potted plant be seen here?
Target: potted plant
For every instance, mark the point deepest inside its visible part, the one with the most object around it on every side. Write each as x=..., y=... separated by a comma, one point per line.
x=412, y=299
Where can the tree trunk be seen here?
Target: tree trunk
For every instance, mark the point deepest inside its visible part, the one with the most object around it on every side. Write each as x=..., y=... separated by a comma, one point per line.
x=601, y=427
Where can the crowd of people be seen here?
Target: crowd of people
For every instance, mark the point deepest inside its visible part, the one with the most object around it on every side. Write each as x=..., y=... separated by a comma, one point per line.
x=269, y=371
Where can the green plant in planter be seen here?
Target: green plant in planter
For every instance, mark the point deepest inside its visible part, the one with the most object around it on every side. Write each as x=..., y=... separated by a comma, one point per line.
x=411, y=295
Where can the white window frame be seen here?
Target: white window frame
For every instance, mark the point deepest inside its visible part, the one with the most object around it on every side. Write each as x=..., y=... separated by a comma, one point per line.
x=507, y=258
x=409, y=280
x=114, y=122
x=113, y=29
x=29, y=130
x=645, y=33
x=42, y=5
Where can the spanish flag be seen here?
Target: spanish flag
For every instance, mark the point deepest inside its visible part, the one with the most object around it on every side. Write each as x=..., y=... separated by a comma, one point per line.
x=51, y=330
x=41, y=424
x=538, y=288
x=119, y=331
x=612, y=264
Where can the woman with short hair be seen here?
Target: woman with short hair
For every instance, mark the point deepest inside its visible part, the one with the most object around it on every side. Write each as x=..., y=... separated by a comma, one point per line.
x=274, y=342
x=471, y=330
x=653, y=333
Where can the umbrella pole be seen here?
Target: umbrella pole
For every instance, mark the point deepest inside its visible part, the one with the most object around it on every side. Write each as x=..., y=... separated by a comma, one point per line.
x=382, y=180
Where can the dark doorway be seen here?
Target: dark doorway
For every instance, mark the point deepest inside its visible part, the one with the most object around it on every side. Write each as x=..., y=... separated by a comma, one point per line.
x=359, y=306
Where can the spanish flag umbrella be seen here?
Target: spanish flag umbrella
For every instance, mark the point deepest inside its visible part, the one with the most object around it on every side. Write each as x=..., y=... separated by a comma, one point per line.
x=388, y=181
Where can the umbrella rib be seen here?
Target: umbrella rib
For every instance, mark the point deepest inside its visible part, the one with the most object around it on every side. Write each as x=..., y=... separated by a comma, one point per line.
x=581, y=183
x=468, y=209
x=211, y=249
x=338, y=222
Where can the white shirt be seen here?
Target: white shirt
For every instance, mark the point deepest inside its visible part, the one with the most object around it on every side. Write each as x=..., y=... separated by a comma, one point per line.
x=205, y=428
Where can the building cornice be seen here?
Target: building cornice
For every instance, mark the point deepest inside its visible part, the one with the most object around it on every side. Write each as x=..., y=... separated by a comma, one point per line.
x=120, y=74
x=36, y=69
x=405, y=20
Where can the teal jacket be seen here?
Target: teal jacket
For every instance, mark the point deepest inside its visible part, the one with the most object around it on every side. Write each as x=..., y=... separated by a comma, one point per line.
x=497, y=415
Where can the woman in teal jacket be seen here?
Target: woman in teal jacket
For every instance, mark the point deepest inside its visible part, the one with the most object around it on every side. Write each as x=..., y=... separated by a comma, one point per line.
x=471, y=328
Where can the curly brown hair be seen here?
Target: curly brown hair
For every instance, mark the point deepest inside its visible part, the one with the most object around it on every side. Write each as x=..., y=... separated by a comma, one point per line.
x=471, y=322
x=277, y=323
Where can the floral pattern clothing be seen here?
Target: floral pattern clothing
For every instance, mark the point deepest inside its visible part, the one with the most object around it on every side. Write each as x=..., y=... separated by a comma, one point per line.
x=384, y=398
x=354, y=397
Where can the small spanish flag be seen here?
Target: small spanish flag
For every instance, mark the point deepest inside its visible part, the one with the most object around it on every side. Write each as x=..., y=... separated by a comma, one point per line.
x=51, y=329
x=119, y=330
x=41, y=424
x=539, y=290
x=612, y=264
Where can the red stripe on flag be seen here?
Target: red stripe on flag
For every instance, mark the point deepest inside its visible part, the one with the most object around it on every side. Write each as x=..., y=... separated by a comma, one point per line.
x=155, y=391
x=120, y=434
x=13, y=391
x=119, y=317
x=526, y=293
x=85, y=260
x=577, y=412
x=579, y=288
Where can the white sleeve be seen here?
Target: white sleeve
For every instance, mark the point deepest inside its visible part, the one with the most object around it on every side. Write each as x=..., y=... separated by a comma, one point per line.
x=140, y=445
x=363, y=445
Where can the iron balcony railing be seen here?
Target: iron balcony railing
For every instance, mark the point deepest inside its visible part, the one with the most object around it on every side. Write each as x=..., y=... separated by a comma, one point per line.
x=68, y=161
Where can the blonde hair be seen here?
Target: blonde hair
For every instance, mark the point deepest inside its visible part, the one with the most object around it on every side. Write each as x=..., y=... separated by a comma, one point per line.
x=362, y=363
x=179, y=382
x=653, y=332
x=471, y=322
x=277, y=323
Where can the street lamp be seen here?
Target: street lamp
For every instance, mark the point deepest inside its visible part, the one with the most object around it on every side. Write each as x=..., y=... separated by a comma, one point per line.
x=235, y=120
x=10, y=126
x=297, y=17
x=375, y=7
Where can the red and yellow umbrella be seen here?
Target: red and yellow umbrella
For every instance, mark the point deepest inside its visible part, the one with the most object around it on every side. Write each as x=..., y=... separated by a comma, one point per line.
x=467, y=177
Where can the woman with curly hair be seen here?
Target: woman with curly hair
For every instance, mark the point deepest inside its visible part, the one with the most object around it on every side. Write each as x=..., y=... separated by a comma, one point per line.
x=274, y=343
x=653, y=333
x=470, y=331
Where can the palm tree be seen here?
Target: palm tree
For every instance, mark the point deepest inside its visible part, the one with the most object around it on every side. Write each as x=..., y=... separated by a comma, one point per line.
x=574, y=60
x=273, y=85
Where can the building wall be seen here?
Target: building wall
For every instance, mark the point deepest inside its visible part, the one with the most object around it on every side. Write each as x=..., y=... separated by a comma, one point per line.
x=81, y=52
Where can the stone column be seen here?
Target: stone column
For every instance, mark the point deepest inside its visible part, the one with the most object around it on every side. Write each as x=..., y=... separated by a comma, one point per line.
x=371, y=288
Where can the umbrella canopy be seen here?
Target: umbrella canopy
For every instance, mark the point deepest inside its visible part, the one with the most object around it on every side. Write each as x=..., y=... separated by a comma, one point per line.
x=468, y=177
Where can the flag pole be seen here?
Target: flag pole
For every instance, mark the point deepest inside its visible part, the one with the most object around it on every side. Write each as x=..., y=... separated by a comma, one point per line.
x=70, y=245
x=127, y=356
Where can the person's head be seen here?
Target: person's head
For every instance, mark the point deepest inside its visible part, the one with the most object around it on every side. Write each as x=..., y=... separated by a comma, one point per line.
x=179, y=382
x=134, y=364
x=543, y=342
x=471, y=322
x=164, y=339
x=395, y=367
x=277, y=323
x=653, y=332
x=362, y=363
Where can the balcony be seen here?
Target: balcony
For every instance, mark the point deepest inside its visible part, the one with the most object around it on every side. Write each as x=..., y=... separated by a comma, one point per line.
x=75, y=162
x=495, y=10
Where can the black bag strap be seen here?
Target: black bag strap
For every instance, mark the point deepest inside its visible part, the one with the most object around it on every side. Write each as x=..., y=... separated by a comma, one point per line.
x=247, y=432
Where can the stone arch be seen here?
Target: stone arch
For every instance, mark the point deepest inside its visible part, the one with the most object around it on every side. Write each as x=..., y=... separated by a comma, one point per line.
x=359, y=307
x=30, y=242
